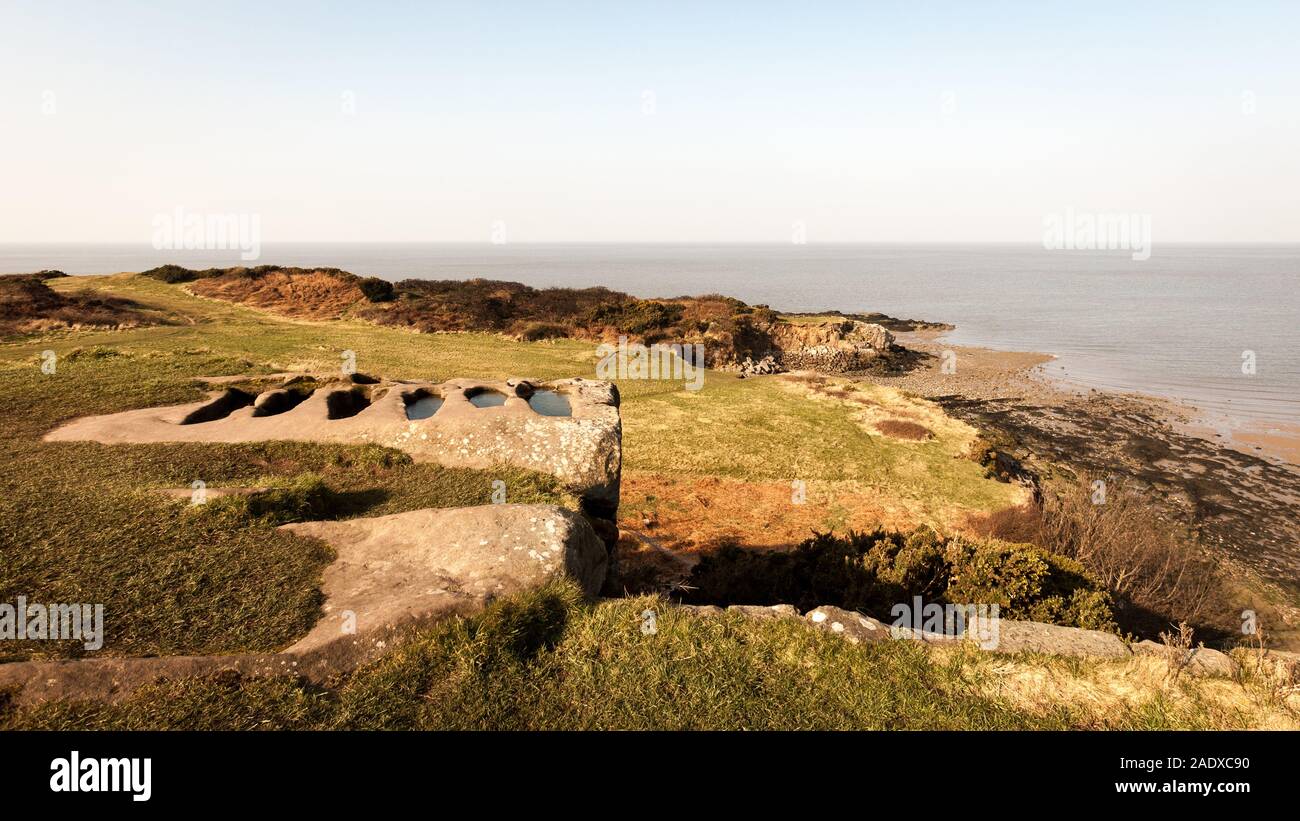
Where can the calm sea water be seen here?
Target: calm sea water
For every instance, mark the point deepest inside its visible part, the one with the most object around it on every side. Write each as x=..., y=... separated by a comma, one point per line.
x=1175, y=325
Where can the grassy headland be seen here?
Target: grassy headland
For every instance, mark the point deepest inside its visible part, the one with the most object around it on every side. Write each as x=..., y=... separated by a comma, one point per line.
x=87, y=522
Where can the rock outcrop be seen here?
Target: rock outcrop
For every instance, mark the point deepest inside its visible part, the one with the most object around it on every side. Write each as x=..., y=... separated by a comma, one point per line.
x=1010, y=636
x=391, y=573
x=853, y=627
x=836, y=346
x=582, y=448
x=1034, y=637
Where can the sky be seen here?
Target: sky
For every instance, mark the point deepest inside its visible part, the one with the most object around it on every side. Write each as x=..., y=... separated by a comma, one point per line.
x=649, y=121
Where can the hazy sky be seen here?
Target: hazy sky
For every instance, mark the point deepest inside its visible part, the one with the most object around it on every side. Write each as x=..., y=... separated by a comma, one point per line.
x=649, y=121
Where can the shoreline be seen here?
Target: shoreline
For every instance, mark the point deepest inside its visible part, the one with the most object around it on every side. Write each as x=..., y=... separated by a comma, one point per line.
x=1249, y=435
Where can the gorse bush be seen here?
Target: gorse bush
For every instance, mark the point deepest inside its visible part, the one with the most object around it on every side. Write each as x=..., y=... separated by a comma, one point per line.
x=376, y=289
x=636, y=316
x=872, y=572
x=1026, y=582
x=176, y=273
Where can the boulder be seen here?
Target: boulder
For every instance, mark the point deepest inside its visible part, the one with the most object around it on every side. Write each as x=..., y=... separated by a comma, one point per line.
x=1201, y=661
x=758, y=611
x=853, y=627
x=1035, y=637
x=764, y=366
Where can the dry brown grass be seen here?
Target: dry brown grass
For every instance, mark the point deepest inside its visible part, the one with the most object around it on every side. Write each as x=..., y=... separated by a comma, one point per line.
x=28, y=305
x=1273, y=678
x=1136, y=693
x=308, y=295
x=1155, y=569
x=1178, y=649
x=902, y=429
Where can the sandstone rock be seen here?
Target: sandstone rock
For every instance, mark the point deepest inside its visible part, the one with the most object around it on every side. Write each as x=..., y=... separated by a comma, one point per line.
x=423, y=563
x=702, y=609
x=583, y=450
x=758, y=611
x=854, y=627
x=1011, y=637
x=1034, y=637
x=834, y=347
x=764, y=366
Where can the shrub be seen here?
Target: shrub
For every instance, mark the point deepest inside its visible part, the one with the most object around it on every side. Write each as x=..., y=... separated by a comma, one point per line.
x=28, y=304
x=1026, y=582
x=537, y=331
x=171, y=274
x=376, y=289
x=871, y=572
x=637, y=316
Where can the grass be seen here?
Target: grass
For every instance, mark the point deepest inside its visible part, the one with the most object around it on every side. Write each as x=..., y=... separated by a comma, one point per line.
x=544, y=660
x=751, y=429
x=759, y=429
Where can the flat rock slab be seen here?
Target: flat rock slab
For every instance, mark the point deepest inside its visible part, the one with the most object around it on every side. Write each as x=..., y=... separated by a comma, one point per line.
x=758, y=611
x=1011, y=636
x=394, y=568
x=392, y=573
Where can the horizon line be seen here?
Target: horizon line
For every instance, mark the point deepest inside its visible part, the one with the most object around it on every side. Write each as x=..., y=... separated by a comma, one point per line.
x=490, y=244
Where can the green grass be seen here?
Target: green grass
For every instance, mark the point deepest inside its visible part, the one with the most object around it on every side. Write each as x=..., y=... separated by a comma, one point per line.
x=750, y=429
x=754, y=429
x=544, y=660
